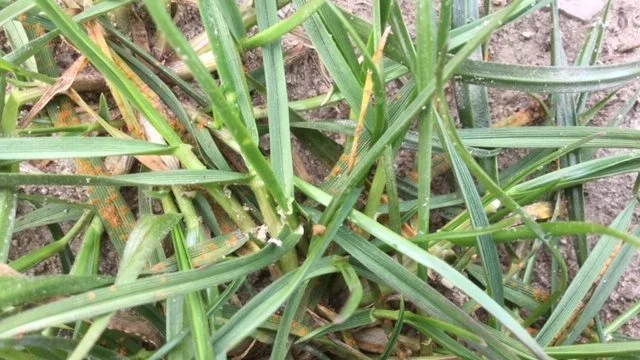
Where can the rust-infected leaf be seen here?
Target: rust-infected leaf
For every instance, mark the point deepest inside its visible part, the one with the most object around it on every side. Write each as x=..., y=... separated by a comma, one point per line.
x=61, y=85
x=153, y=162
x=96, y=33
x=366, y=97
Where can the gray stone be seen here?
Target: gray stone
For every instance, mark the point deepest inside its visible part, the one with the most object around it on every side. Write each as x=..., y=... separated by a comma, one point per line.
x=583, y=10
x=527, y=35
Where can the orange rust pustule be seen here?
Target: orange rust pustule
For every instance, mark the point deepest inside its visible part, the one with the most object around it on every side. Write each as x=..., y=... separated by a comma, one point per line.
x=540, y=295
x=212, y=247
x=159, y=267
x=65, y=114
x=233, y=240
x=88, y=167
x=340, y=166
x=111, y=215
x=299, y=328
x=318, y=229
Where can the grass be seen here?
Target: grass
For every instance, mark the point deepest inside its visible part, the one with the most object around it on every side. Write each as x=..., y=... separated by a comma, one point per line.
x=356, y=253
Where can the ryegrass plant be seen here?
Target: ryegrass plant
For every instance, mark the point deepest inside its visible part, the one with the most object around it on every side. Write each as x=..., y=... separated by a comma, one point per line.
x=355, y=268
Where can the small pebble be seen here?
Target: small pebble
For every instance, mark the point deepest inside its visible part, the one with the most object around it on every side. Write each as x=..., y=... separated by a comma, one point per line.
x=526, y=35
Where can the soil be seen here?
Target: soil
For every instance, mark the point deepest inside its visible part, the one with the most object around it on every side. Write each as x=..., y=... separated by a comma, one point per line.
x=524, y=42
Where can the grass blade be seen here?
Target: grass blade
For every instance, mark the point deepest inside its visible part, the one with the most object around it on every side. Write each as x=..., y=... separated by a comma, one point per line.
x=166, y=178
x=57, y=148
x=426, y=58
x=570, y=306
x=14, y=9
x=472, y=101
x=281, y=343
x=8, y=205
x=389, y=349
x=229, y=64
x=277, y=103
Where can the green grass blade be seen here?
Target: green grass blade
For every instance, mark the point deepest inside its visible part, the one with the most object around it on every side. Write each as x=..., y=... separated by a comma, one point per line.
x=355, y=289
x=231, y=12
x=75, y=147
x=462, y=34
x=228, y=63
x=393, y=206
x=485, y=242
x=502, y=234
x=389, y=348
x=404, y=39
x=14, y=9
x=472, y=101
x=8, y=198
x=515, y=291
x=615, y=120
x=588, y=115
x=548, y=79
x=591, y=50
x=281, y=343
x=533, y=137
x=359, y=319
x=277, y=102
x=56, y=343
x=18, y=38
x=271, y=31
x=591, y=351
x=570, y=306
x=486, y=247
x=565, y=110
x=605, y=288
x=579, y=174
x=48, y=214
x=333, y=59
x=197, y=320
x=21, y=54
x=8, y=205
x=88, y=257
x=162, y=178
x=23, y=290
x=426, y=60
x=626, y=316
x=34, y=257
